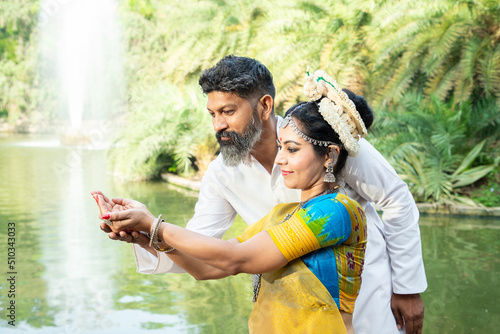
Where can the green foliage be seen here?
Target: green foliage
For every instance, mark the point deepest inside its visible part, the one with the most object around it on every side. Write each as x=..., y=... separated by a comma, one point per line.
x=165, y=128
x=16, y=24
x=488, y=194
x=143, y=7
x=433, y=68
x=447, y=49
x=17, y=59
x=407, y=56
x=201, y=32
x=430, y=147
x=329, y=35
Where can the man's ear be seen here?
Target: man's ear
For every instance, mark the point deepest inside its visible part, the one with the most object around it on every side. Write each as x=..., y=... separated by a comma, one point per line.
x=266, y=104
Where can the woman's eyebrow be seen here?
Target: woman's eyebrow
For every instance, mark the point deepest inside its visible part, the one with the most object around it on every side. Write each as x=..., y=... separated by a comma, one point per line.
x=291, y=141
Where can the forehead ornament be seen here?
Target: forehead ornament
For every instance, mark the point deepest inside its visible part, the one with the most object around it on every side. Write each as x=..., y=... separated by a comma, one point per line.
x=289, y=121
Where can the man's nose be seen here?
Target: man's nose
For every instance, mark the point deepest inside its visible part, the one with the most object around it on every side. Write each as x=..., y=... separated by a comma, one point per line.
x=219, y=123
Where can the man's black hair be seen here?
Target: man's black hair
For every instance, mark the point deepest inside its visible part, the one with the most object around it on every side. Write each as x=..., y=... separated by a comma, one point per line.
x=245, y=77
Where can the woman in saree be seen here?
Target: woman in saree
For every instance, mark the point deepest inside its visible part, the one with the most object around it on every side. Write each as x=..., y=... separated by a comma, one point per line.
x=306, y=257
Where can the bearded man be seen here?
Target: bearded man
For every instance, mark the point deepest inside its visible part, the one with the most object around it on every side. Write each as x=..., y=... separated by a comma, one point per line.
x=244, y=180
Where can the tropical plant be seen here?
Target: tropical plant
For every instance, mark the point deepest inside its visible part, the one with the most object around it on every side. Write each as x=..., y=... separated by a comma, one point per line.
x=166, y=128
x=327, y=35
x=144, y=28
x=428, y=145
x=488, y=194
x=285, y=36
x=448, y=49
x=17, y=59
x=398, y=54
x=202, y=32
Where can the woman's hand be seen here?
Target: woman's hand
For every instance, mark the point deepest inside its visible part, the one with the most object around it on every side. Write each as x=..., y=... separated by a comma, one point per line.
x=138, y=218
x=116, y=204
x=131, y=220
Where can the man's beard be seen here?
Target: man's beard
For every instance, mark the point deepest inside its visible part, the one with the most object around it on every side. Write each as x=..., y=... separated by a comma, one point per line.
x=239, y=146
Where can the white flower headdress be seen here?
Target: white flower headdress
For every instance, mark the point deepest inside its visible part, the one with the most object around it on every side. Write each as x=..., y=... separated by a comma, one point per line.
x=336, y=108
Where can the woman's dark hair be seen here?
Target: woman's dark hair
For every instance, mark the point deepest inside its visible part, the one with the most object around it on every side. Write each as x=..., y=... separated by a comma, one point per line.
x=312, y=124
x=245, y=77
x=362, y=107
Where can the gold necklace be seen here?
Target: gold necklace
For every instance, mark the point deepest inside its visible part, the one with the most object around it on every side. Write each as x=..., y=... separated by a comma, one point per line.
x=301, y=204
x=289, y=215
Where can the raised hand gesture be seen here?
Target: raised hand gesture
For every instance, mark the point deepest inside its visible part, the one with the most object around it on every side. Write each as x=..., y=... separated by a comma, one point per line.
x=107, y=206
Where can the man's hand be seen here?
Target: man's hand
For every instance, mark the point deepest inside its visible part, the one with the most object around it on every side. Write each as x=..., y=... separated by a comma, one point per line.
x=409, y=312
x=132, y=238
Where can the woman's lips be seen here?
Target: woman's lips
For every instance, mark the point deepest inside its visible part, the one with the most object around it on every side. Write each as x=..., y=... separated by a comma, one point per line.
x=285, y=172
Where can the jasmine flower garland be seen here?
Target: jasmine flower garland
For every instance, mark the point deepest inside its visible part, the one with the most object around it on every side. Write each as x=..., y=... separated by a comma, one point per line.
x=336, y=108
x=330, y=113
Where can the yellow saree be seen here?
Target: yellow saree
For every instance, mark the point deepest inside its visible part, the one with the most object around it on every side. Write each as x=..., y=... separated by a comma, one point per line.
x=324, y=242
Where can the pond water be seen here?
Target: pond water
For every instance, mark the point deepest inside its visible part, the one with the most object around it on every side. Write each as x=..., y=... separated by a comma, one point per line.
x=68, y=277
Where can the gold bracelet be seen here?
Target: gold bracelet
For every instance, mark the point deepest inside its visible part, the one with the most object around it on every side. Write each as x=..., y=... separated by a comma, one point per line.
x=165, y=250
x=169, y=250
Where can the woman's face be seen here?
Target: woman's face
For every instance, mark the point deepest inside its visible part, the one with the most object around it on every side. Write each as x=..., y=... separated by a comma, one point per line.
x=301, y=167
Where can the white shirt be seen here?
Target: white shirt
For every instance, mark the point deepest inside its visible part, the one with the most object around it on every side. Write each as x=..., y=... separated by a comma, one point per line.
x=247, y=189
x=393, y=261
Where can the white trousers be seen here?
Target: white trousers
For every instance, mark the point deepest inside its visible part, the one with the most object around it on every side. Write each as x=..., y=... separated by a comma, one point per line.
x=372, y=311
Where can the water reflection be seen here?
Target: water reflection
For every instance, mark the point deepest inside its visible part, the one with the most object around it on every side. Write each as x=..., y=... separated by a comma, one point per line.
x=462, y=266
x=78, y=267
x=73, y=279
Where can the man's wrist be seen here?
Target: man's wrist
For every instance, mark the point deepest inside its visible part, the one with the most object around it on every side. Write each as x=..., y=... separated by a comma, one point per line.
x=406, y=294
